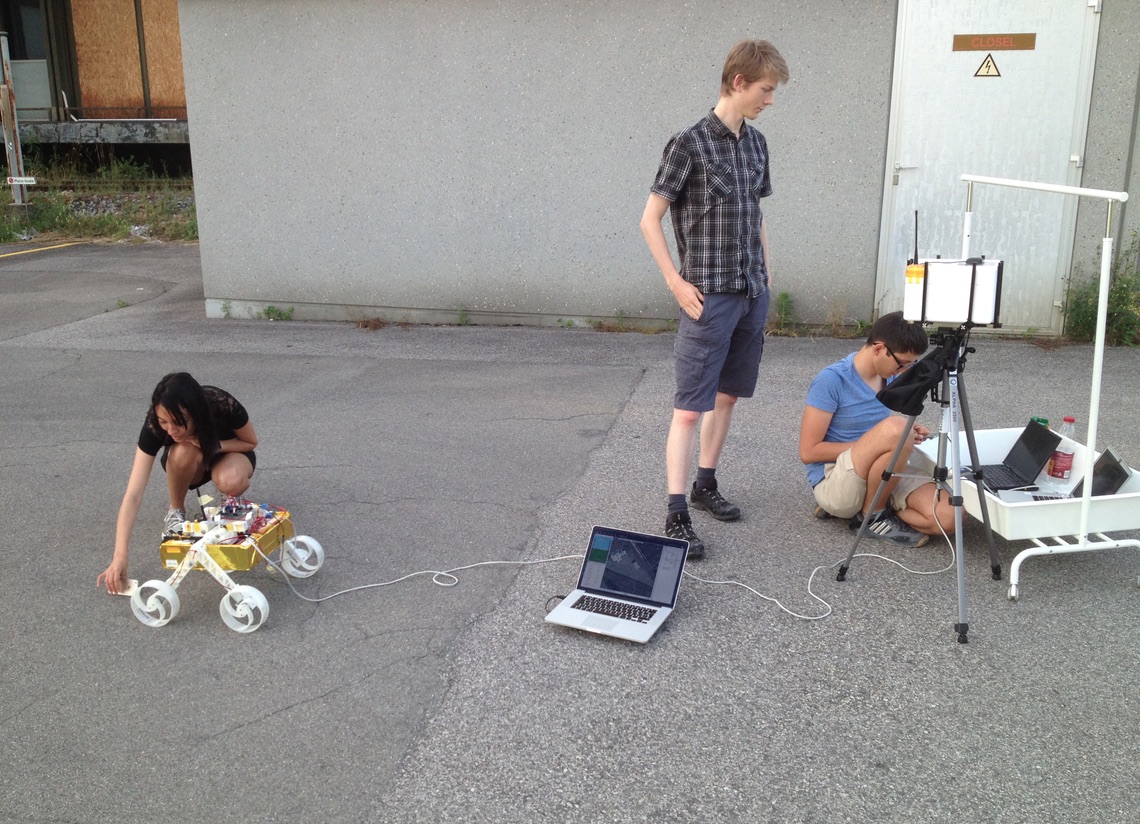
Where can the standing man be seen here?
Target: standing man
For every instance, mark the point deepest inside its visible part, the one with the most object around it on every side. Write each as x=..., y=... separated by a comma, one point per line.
x=712, y=176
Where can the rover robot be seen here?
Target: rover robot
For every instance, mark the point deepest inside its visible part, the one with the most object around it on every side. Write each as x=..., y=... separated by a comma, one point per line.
x=236, y=536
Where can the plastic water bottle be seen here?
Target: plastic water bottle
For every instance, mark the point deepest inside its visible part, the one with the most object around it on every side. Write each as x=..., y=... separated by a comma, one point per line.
x=1061, y=464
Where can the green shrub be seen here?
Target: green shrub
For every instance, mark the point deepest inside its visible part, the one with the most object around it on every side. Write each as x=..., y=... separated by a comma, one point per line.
x=276, y=313
x=1122, y=326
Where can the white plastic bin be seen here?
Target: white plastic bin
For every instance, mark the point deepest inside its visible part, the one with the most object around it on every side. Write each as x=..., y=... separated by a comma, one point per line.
x=1039, y=519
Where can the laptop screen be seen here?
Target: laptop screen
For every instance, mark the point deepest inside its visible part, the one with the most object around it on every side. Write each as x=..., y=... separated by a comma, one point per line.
x=1109, y=474
x=1032, y=450
x=633, y=565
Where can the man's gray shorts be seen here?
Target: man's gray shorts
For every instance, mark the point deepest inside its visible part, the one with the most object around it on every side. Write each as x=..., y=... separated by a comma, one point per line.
x=720, y=351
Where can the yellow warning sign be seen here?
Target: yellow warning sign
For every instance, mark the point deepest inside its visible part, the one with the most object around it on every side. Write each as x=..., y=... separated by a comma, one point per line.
x=988, y=68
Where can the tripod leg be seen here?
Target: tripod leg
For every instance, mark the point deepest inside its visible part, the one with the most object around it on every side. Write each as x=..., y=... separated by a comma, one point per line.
x=963, y=626
x=968, y=426
x=842, y=575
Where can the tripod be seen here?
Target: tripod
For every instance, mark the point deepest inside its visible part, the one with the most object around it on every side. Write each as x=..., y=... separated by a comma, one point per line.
x=943, y=371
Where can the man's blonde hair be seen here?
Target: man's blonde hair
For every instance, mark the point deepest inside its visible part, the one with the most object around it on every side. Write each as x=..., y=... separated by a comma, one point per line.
x=754, y=59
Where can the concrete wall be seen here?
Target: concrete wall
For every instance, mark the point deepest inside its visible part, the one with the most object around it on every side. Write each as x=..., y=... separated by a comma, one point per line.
x=1112, y=148
x=489, y=159
x=357, y=159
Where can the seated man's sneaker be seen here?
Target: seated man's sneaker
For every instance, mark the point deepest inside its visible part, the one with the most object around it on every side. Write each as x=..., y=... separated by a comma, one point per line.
x=887, y=527
x=679, y=525
x=712, y=502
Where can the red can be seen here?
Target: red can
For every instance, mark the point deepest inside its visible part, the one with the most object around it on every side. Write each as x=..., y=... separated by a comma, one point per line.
x=1061, y=465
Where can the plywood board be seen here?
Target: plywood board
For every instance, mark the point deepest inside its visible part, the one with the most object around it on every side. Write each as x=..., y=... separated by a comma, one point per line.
x=106, y=50
x=164, y=54
x=107, y=54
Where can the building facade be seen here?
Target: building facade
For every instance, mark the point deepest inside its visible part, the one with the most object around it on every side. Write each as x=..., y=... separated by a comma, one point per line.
x=489, y=160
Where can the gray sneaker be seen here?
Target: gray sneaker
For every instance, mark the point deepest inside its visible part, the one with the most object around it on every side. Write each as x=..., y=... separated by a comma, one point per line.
x=890, y=530
x=173, y=523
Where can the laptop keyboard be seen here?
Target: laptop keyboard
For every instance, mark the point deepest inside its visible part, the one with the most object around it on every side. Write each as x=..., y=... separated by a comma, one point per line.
x=1001, y=475
x=614, y=609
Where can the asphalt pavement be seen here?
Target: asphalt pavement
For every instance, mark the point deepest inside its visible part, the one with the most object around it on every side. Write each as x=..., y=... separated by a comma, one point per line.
x=407, y=449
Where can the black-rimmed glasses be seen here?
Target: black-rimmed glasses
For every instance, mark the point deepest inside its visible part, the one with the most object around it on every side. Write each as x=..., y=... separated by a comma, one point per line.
x=902, y=365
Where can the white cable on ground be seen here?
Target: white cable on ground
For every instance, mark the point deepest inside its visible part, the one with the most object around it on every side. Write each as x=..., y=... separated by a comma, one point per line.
x=442, y=578
x=447, y=578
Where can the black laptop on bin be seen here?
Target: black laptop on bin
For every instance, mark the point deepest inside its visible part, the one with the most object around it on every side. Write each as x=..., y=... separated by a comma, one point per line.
x=1025, y=460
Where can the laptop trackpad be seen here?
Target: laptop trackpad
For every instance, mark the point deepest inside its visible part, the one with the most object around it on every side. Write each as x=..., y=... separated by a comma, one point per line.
x=599, y=622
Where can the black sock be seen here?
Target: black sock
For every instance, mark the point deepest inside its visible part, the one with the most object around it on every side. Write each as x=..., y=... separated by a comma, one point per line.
x=706, y=478
x=678, y=503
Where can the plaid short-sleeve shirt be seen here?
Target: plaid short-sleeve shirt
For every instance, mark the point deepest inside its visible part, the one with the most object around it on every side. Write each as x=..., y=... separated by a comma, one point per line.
x=714, y=181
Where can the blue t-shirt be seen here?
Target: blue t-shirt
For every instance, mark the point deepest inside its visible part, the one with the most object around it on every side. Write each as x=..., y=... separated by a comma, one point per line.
x=840, y=390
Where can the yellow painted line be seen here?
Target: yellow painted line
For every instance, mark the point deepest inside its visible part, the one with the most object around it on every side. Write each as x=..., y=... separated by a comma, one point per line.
x=42, y=249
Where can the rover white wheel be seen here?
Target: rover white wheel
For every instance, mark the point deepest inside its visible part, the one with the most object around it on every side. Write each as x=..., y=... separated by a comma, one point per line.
x=244, y=608
x=301, y=556
x=155, y=603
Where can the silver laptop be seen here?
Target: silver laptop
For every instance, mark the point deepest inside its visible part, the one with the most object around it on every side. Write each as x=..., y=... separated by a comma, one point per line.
x=627, y=587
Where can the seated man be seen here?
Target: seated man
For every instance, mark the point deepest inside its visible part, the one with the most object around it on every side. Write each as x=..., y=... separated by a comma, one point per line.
x=847, y=438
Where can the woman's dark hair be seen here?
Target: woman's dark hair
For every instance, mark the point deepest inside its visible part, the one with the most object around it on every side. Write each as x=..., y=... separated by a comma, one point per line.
x=185, y=400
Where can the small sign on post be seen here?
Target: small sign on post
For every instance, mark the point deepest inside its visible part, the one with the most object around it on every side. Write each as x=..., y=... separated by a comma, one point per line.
x=11, y=127
x=21, y=181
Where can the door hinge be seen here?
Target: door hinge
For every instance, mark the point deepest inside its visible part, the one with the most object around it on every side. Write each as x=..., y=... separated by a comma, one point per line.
x=1094, y=5
x=1080, y=161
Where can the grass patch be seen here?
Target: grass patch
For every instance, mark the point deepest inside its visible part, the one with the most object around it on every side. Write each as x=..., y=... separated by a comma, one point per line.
x=782, y=322
x=275, y=313
x=618, y=323
x=781, y=319
x=120, y=199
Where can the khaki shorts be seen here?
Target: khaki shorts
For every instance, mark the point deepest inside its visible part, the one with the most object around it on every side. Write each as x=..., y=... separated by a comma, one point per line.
x=842, y=491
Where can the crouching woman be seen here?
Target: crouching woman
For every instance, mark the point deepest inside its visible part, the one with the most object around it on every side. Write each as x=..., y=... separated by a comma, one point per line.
x=204, y=434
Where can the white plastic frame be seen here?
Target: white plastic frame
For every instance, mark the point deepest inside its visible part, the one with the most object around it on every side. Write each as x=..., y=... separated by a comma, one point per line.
x=248, y=608
x=1083, y=544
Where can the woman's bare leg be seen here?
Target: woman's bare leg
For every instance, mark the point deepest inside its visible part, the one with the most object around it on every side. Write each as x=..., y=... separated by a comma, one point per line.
x=184, y=465
x=231, y=474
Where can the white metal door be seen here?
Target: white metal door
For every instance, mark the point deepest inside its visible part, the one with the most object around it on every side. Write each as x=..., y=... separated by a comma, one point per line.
x=996, y=89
